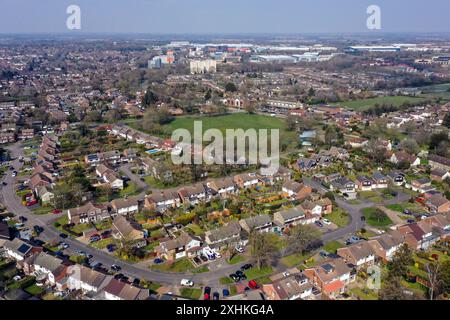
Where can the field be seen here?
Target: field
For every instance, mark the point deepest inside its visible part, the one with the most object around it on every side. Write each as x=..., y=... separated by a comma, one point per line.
x=373, y=220
x=365, y=104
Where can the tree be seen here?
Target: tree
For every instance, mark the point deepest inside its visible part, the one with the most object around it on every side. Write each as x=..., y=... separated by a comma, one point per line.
x=392, y=289
x=446, y=275
x=435, y=277
x=93, y=116
x=262, y=248
x=410, y=146
x=303, y=238
x=113, y=115
x=250, y=108
x=378, y=214
x=149, y=98
x=230, y=87
x=400, y=261
x=376, y=150
x=311, y=92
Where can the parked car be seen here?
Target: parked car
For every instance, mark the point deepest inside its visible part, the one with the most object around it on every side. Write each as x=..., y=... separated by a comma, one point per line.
x=106, y=234
x=225, y=292
x=111, y=247
x=56, y=211
x=323, y=254
x=319, y=224
x=94, y=238
x=326, y=221
x=64, y=245
x=239, y=249
x=38, y=229
x=253, y=284
x=187, y=283
x=63, y=235
x=23, y=219
x=207, y=293
x=235, y=277
x=118, y=276
x=246, y=267
x=136, y=281
x=204, y=259
x=216, y=296
x=197, y=260
x=31, y=203
x=410, y=220
x=158, y=261
x=408, y=212
x=116, y=268
x=241, y=275
x=4, y=183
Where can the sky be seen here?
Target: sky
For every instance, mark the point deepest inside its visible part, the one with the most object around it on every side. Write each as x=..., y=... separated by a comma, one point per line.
x=223, y=17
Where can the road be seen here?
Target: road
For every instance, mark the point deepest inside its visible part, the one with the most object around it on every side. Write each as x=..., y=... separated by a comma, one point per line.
x=141, y=270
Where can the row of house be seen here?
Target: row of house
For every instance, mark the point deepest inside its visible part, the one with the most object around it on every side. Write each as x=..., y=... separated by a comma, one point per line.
x=62, y=275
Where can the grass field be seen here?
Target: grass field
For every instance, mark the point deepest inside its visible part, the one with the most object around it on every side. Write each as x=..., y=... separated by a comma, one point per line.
x=191, y=293
x=332, y=246
x=365, y=104
x=373, y=221
x=339, y=217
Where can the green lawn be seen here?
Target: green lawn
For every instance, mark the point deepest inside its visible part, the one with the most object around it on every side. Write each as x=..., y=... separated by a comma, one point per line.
x=182, y=265
x=294, y=260
x=195, y=228
x=43, y=210
x=339, y=217
x=236, y=259
x=400, y=207
x=332, y=246
x=226, y=280
x=191, y=293
x=373, y=221
x=256, y=273
x=364, y=104
x=34, y=290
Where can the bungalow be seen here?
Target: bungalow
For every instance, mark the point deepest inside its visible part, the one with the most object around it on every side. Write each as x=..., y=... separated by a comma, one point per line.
x=330, y=277
x=246, y=180
x=180, y=247
x=260, y=223
x=359, y=254
x=386, y=245
x=438, y=204
x=126, y=230
x=109, y=176
x=397, y=178
x=125, y=206
x=364, y=183
x=193, y=194
x=296, y=190
x=421, y=185
x=87, y=280
x=45, y=266
x=120, y=290
x=88, y=213
x=295, y=287
x=289, y=218
x=439, y=174
x=230, y=233
x=379, y=181
x=343, y=185
x=438, y=162
x=45, y=193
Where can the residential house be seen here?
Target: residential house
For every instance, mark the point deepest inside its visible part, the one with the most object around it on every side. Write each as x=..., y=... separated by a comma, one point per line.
x=296, y=190
x=88, y=213
x=343, y=185
x=87, y=280
x=7, y=137
x=422, y=185
x=438, y=162
x=26, y=134
x=5, y=232
x=92, y=159
x=18, y=250
x=397, y=178
x=161, y=201
x=156, y=169
x=404, y=157
x=364, y=183
x=127, y=230
x=295, y=287
x=126, y=206
x=330, y=276
x=193, y=194
x=45, y=193
x=120, y=290
x=223, y=187
x=260, y=223
x=110, y=177
x=360, y=254
x=180, y=247
x=110, y=156
x=228, y=234
x=439, y=174
x=45, y=266
x=438, y=204
x=379, y=181
x=386, y=245
x=246, y=180
x=418, y=235
x=289, y=218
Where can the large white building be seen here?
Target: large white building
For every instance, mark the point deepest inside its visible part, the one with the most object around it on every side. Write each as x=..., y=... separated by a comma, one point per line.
x=203, y=66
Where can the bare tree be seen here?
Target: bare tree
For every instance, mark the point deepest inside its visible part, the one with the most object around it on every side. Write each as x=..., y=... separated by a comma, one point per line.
x=434, y=274
x=261, y=248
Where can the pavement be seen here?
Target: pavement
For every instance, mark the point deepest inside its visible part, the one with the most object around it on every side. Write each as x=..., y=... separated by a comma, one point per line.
x=219, y=267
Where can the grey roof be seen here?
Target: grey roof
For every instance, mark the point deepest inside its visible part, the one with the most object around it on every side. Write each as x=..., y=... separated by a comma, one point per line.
x=291, y=213
x=258, y=221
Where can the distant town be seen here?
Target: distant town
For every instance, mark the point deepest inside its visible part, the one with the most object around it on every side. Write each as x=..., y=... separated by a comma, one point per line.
x=92, y=206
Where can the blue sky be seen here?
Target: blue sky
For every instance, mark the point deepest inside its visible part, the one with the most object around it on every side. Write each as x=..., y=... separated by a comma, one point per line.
x=218, y=16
